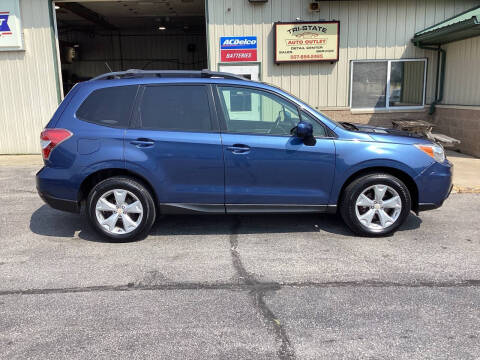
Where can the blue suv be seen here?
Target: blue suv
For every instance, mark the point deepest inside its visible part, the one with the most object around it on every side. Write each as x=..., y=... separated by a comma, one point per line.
x=128, y=146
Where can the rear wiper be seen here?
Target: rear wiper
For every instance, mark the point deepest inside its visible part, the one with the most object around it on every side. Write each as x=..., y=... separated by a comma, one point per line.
x=349, y=125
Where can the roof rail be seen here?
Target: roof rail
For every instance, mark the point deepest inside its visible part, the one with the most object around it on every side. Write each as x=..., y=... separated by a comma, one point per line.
x=136, y=73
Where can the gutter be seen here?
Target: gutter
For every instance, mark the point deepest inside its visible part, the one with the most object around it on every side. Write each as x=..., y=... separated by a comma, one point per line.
x=440, y=78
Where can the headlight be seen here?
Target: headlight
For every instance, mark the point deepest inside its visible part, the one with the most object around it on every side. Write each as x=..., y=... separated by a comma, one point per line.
x=435, y=151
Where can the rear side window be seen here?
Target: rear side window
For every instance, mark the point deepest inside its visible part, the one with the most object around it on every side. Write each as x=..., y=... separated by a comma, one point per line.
x=175, y=107
x=109, y=106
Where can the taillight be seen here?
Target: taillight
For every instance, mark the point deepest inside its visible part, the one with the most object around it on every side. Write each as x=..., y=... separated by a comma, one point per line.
x=51, y=138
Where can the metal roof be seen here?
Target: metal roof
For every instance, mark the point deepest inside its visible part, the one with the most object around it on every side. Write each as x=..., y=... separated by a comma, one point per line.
x=459, y=27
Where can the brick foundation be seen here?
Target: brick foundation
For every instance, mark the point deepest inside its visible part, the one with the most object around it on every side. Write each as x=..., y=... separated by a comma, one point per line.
x=376, y=119
x=462, y=124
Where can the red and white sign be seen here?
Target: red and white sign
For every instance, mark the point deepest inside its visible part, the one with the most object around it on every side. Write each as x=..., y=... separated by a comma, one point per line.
x=239, y=55
x=238, y=48
x=10, y=26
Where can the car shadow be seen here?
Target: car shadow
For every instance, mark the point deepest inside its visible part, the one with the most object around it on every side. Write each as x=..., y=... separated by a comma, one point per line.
x=46, y=221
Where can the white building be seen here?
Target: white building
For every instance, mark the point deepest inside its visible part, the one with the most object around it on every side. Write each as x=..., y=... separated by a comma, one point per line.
x=380, y=73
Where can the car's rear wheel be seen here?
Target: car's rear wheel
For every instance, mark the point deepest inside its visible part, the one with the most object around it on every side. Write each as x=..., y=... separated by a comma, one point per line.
x=121, y=209
x=375, y=204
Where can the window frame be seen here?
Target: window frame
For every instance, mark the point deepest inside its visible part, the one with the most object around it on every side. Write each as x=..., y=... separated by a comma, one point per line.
x=130, y=111
x=136, y=120
x=223, y=121
x=387, y=93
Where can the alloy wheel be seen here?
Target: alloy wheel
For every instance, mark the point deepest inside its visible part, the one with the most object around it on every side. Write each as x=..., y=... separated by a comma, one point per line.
x=119, y=211
x=378, y=207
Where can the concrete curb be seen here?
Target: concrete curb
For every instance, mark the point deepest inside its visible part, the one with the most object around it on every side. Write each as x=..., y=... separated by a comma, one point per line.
x=465, y=190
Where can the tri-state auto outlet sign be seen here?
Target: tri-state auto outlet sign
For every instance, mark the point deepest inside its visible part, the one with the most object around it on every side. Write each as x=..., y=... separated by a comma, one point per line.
x=306, y=41
x=10, y=29
x=238, y=48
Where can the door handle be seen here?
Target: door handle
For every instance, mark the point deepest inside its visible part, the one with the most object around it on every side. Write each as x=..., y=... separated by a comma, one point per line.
x=142, y=142
x=239, y=148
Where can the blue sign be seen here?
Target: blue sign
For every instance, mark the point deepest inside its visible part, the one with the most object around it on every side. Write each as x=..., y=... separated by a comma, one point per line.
x=4, y=23
x=238, y=42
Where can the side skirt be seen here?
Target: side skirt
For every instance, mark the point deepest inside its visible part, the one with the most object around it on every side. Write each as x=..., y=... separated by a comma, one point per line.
x=182, y=208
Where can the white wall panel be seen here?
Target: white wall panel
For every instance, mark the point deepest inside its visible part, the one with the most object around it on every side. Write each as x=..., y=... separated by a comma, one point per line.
x=462, y=75
x=369, y=29
x=28, y=93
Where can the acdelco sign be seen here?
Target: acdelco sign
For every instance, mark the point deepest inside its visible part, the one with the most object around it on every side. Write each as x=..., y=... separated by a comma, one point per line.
x=238, y=42
x=4, y=28
x=238, y=48
x=10, y=26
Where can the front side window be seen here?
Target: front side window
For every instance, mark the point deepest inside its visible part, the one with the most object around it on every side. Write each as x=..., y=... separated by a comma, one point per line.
x=387, y=84
x=318, y=130
x=254, y=111
x=108, y=106
x=175, y=107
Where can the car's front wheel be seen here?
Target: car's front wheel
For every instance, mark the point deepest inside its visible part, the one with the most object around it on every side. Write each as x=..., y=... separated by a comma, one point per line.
x=375, y=204
x=121, y=209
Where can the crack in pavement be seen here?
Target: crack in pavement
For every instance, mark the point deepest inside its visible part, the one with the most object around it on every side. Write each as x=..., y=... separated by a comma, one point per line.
x=257, y=286
x=258, y=291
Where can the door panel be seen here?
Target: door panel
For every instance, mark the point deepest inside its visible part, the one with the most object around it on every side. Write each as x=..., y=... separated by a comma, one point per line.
x=263, y=163
x=183, y=167
x=277, y=170
x=176, y=146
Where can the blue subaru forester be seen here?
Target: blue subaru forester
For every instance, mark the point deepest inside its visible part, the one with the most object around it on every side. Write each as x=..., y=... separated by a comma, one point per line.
x=128, y=146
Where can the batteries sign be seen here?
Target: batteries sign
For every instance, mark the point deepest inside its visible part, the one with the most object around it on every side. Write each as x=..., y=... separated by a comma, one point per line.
x=238, y=48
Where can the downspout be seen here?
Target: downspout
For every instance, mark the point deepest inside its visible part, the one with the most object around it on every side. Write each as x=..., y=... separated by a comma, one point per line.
x=441, y=58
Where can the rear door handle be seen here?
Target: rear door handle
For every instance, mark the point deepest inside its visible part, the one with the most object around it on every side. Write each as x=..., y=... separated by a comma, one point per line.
x=239, y=148
x=142, y=142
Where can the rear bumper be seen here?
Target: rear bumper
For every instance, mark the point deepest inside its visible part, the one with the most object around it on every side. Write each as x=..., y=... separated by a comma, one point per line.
x=60, y=204
x=48, y=184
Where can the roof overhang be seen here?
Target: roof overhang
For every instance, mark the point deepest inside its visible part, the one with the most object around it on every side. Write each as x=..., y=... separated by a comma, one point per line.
x=461, y=27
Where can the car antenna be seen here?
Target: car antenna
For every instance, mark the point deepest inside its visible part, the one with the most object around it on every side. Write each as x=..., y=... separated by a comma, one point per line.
x=108, y=67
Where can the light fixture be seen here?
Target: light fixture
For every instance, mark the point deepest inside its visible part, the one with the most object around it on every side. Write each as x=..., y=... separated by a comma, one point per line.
x=162, y=28
x=57, y=7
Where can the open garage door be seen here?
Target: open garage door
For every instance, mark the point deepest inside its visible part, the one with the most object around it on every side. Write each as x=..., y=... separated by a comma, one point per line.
x=101, y=36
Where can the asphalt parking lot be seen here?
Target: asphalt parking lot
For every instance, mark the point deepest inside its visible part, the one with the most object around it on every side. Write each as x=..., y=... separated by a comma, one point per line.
x=236, y=287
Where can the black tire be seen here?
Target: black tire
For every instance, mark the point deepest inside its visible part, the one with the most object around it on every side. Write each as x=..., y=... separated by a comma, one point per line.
x=353, y=191
x=139, y=190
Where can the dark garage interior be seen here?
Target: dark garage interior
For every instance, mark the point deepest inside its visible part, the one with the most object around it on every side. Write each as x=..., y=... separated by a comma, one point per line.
x=101, y=36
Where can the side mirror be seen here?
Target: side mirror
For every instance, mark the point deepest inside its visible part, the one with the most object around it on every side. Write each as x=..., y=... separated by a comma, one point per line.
x=303, y=130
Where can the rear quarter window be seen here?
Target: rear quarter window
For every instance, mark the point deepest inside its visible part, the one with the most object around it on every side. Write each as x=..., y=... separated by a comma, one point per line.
x=109, y=106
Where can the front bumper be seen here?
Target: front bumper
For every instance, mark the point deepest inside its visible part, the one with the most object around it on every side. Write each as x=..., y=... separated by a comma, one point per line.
x=434, y=185
x=432, y=206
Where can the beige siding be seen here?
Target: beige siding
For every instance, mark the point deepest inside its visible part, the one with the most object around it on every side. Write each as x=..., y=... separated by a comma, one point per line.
x=369, y=29
x=28, y=93
x=462, y=73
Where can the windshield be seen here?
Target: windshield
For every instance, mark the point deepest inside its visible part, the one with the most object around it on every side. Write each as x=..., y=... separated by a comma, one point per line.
x=321, y=114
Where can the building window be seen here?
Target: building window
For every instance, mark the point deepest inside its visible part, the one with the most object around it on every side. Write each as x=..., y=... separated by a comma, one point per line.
x=388, y=84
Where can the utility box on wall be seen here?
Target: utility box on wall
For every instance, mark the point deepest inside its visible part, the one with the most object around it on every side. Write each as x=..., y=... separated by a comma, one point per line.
x=10, y=26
